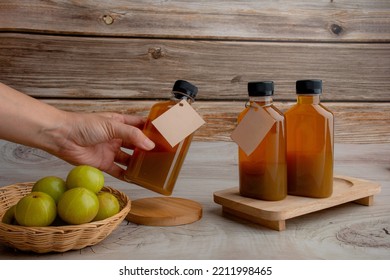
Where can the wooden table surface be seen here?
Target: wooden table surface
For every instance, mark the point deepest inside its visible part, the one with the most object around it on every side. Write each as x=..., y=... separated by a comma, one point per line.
x=348, y=231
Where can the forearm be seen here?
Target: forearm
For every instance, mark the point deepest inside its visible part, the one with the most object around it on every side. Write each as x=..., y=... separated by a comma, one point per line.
x=28, y=121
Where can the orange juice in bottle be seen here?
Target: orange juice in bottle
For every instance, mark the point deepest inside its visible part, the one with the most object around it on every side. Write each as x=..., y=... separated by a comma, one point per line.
x=309, y=143
x=263, y=173
x=159, y=168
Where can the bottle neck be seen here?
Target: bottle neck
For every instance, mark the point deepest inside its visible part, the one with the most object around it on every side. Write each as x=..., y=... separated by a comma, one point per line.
x=308, y=99
x=261, y=100
x=177, y=99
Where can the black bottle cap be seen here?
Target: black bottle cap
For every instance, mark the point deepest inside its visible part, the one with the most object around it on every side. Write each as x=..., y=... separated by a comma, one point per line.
x=309, y=86
x=265, y=88
x=183, y=88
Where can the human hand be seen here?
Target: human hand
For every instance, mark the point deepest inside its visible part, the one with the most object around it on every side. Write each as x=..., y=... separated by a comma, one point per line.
x=97, y=139
x=94, y=139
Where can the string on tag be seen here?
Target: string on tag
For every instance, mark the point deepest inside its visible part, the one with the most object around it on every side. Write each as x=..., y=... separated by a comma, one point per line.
x=189, y=98
x=255, y=105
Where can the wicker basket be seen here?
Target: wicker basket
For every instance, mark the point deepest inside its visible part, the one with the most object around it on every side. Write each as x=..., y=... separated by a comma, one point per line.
x=55, y=238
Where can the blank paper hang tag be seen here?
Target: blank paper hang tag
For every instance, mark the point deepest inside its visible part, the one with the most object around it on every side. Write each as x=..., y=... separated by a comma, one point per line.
x=252, y=129
x=178, y=122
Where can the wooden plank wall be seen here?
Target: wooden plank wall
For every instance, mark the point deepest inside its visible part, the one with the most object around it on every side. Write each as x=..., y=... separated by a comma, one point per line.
x=122, y=56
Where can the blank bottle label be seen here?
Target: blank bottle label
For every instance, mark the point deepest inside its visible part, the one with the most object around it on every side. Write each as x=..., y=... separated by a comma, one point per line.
x=178, y=122
x=252, y=129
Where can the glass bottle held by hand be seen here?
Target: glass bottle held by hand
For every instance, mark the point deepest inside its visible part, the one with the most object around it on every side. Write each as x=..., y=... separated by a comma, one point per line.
x=159, y=168
x=309, y=143
x=263, y=173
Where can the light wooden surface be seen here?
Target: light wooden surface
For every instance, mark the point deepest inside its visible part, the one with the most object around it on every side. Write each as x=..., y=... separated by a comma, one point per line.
x=104, y=67
x=136, y=49
x=123, y=55
x=303, y=20
x=348, y=231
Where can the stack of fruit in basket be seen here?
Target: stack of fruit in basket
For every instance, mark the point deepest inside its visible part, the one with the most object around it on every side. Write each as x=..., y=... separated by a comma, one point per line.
x=53, y=201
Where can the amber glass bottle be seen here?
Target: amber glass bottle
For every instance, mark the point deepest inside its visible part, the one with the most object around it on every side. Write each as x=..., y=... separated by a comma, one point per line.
x=309, y=143
x=263, y=173
x=159, y=168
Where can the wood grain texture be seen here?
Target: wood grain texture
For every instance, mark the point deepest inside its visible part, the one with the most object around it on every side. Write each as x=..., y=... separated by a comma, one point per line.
x=348, y=231
x=304, y=20
x=164, y=211
x=354, y=122
x=123, y=55
x=88, y=67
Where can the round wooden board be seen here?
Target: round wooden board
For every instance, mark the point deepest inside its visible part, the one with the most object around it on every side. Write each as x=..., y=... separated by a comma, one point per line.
x=164, y=211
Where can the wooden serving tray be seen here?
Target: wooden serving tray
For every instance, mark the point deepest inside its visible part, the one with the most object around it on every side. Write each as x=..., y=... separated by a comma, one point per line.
x=273, y=214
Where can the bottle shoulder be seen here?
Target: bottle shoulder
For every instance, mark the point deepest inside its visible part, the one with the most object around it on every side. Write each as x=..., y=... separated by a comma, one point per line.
x=308, y=109
x=326, y=110
x=163, y=104
x=160, y=107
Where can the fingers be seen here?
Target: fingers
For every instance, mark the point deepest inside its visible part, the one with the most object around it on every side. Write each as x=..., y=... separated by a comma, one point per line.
x=127, y=128
x=136, y=121
x=132, y=136
x=132, y=120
